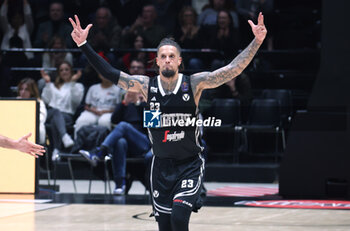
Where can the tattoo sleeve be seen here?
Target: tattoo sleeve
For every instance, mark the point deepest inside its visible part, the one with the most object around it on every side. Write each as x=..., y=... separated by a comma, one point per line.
x=233, y=69
x=135, y=83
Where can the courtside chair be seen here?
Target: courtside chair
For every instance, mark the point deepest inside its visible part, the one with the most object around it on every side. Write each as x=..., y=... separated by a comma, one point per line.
x=229, y=111
x=264, y=117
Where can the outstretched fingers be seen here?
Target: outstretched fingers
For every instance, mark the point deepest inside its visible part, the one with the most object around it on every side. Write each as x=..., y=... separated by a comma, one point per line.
x=252, y=25
x=261, y=19
x=73, y=23
x=77, y=22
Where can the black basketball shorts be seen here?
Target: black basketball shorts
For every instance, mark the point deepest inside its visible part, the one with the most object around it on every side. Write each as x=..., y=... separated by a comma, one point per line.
x=176, y=182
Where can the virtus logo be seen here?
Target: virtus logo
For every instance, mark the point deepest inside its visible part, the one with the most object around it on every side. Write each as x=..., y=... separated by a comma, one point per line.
x=155, y=119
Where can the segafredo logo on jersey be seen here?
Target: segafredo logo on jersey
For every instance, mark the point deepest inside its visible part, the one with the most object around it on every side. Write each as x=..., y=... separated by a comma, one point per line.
x=176, y=136
x=155, y=119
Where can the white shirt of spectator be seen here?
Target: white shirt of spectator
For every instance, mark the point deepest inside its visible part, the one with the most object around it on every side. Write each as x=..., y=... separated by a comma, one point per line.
x=66, y=99
x=103, y=98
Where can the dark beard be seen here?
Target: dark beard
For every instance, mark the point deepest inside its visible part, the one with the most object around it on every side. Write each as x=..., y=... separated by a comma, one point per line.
x=168, y=73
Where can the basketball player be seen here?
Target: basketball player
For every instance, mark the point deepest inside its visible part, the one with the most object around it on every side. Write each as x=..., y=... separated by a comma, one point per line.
x=177, y=166
x=22, y=145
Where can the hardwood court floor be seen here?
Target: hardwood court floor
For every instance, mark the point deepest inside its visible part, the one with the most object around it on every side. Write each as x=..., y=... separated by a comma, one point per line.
x=95, y=217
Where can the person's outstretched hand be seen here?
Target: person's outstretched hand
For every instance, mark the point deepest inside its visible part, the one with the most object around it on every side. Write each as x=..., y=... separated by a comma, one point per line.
x=24, y=145
x=259, y=30
x=79, y=35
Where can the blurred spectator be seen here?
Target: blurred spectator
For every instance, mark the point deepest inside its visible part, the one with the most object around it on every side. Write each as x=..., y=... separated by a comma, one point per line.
x=209, y=14
x=27, y=88
x=222, y=37
x=63, y=98
x=144, y=57
x=186, y=34
x=52, y=59
x=105, y=33
x=145, y=25
x=100, y=102
x=19, y=29
x=167, y=12
x=56, y=25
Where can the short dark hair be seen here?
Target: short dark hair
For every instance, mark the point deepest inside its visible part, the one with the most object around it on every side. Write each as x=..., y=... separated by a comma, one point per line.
x=169, y=41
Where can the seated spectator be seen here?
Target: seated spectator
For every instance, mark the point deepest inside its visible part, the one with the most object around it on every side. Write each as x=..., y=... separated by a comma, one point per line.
x=52, y=59
x=209, y=14
x=222, y=37
x=104, y=35
x=56, y=25
x=127, y=137
x=27, y=88
x=187, y=36
x=106, y=31
x=100, y=102
x=20, y=26
x=145, y=57
x=167, y=12
x=62, y=98
x=145, y=25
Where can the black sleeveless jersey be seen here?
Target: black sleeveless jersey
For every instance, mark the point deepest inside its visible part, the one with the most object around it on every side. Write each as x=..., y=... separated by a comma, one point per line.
x=176, y=134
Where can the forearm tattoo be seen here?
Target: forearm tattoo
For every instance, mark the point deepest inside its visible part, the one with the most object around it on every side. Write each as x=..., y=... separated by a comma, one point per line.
x=135, y=83
x=233, y=69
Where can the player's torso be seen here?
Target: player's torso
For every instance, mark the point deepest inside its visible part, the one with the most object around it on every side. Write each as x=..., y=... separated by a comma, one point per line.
x=171, y=120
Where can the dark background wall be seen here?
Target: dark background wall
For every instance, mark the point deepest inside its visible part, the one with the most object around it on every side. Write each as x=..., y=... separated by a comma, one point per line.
x=317, y=158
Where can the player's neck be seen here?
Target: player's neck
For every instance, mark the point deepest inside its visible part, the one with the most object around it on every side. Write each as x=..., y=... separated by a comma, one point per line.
x=169, y=84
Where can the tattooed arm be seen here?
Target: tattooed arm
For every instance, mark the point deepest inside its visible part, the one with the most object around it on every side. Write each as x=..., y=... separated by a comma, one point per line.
x=205, y=80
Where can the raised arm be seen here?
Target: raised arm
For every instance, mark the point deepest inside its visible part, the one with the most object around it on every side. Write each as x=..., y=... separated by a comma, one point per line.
x=205, y=80
x=135, y=83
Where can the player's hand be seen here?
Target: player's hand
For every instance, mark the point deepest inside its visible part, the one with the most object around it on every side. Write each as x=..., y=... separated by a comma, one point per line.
x=78, y=34
x=24, y=145
x=259, y=30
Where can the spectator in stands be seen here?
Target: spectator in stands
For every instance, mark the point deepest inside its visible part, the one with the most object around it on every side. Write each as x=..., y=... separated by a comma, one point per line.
x=145, y=57
x=20, y=27
x=127, y=137
x=100, y=102
x=52, y=59
x=167, y=12
x=27, y=88
x=105, y=35
x=209, y=14
x=187, y=36
x=106, y=32
x=62, y=98
x=56, y=25
x=146, y=26
x=222, y=37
